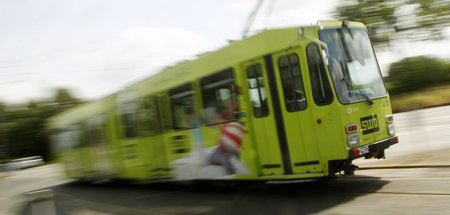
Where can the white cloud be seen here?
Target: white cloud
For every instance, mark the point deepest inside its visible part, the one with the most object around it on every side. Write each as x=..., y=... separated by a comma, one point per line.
x=135, y=53
x=17, y=92
x=273, y=14
x=100, y=46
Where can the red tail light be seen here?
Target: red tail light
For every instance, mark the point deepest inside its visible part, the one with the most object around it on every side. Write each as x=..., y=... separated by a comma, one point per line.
x=351, y=128
x=389, y=118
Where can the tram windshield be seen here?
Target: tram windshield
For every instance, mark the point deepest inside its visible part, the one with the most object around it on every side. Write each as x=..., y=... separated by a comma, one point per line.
x=352, y=64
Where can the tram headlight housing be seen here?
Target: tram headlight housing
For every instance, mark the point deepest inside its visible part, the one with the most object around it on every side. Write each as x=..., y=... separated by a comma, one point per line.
x=351, y=128
x=391, y=129
x=389, y=119
x=353, y=140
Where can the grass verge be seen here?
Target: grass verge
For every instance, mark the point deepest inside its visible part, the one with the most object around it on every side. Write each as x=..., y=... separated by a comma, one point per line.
x=432, y=97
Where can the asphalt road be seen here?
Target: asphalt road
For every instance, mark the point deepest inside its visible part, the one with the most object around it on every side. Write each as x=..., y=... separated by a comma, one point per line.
x=424, y=142
x=385, y=191
x=15, y=184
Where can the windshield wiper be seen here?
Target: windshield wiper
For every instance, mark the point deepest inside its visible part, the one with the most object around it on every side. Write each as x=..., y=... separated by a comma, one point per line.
x=351, y=84
x=369, y=100
x=343, y=44
x=348, y=80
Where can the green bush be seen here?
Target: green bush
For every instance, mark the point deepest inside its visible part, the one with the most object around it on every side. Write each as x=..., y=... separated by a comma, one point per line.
x=417, y=73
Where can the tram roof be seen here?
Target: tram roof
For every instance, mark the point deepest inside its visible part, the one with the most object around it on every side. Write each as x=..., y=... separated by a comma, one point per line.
x=245, y=50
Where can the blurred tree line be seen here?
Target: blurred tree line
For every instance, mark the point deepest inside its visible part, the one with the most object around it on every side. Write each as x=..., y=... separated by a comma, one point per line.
x=387, y=20
x=390, y=21
x=417, y=73
x=22, y=126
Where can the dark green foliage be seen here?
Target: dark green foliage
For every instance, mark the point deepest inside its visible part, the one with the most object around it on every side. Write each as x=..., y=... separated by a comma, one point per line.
x=377, y=15
x=64, y=97
x=417, y=73
x=413, y=20
x=23, y=126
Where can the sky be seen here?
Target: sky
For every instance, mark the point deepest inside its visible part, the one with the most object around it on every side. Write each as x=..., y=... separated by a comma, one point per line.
x=97, y=47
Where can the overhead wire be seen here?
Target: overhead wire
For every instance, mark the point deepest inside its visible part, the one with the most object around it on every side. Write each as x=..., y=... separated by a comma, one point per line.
x=251, y=17
x=269, y=12
x=253, y=14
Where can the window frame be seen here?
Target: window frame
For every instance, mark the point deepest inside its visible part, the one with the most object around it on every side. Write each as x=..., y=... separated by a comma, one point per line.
x=292, y=78
x=149, y=126
x=179, y=93
x=127, y=108
x=322, y=76
x=256, y=76
x=95, y=128
x=214, y=85
x=133, y=132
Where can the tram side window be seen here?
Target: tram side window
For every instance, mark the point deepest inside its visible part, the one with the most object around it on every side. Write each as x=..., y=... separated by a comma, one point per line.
x=129, y=123
x=66, y=140
x=94, y=134
x=166, y=113
x=320, y=85
x=60, y=142
x=257, y=90
x=74, y=137
x=148, y=117
x=94, y=131
x=128, y=109
x=182, y=102
x=128, y=112
x=219, y=97
x=291, y=77
x=79, y=136
x=84, y=137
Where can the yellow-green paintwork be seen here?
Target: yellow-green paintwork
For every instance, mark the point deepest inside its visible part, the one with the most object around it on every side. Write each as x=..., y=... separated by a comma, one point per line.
x=308, y=140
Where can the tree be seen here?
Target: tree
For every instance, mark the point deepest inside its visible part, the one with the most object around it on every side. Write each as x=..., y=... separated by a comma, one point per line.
x=413, y=20
x=64, y=97
x=416, y=73
x=23, y=126
x=3, y=131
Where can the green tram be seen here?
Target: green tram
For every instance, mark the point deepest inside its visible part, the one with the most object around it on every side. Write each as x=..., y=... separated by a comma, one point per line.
x=283, y=104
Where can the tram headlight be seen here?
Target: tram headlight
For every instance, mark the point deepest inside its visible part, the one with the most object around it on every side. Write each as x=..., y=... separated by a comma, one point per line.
x=353, y=140
x=391, y=129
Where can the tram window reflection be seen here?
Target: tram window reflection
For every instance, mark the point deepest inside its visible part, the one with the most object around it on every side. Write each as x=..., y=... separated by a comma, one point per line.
x=291, y=77
x=257, y=90
x=219, y=97
x=182, y=102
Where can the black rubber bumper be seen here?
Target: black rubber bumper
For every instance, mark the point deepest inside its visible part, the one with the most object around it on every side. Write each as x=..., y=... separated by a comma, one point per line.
x=373, y=149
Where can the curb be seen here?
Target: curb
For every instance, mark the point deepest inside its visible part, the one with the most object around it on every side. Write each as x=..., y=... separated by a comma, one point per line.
x=403, y=167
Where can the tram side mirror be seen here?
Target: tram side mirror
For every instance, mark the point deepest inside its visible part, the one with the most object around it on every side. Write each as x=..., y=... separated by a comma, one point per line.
x=325, y=51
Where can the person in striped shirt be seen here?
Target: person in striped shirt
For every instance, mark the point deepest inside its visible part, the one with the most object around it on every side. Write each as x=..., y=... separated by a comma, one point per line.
x=230, y=140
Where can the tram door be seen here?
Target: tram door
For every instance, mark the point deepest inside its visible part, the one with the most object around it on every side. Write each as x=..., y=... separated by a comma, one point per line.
x=284, y=136
x=262, y=119
x=295, y=116
x=156, y=151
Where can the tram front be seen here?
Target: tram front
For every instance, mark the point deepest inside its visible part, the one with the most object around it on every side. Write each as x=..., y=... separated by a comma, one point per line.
x=365, y=107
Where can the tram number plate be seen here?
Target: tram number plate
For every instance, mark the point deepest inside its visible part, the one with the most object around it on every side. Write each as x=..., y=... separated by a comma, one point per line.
x=363, y=150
